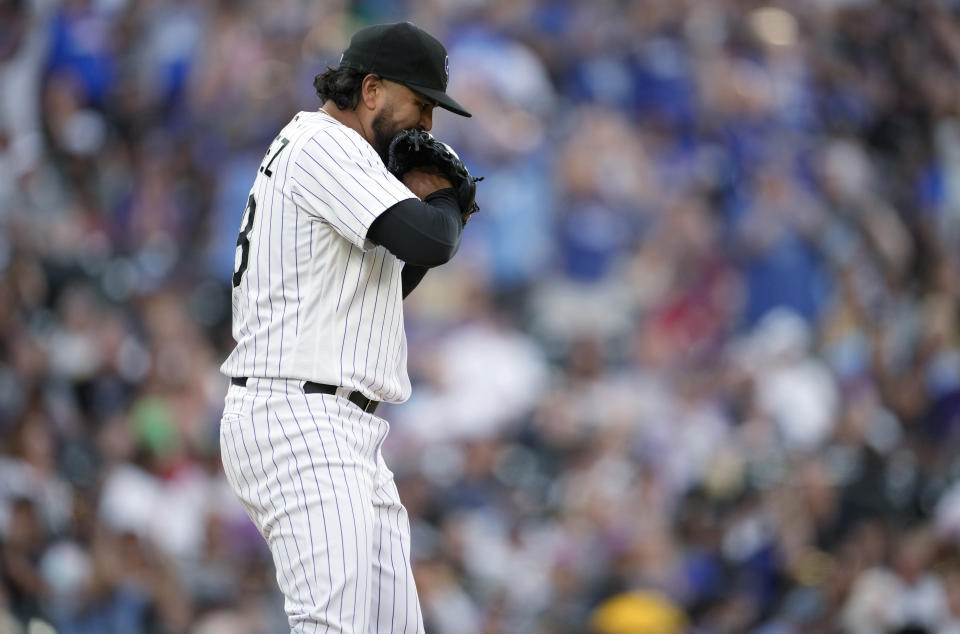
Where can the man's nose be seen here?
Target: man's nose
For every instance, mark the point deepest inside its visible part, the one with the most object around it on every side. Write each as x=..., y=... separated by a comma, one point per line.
x=426, y=121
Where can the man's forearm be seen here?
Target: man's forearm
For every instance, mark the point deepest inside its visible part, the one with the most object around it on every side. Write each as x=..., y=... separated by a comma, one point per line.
x=423, y=233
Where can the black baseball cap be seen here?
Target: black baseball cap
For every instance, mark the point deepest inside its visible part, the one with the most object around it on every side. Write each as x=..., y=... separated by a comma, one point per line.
x=406, y=54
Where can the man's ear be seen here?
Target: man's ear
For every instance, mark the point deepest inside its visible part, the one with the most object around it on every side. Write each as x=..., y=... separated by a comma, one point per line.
x=371, y=90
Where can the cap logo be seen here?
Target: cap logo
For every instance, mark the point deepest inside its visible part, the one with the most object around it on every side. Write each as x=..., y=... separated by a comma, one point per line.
x=446, y=67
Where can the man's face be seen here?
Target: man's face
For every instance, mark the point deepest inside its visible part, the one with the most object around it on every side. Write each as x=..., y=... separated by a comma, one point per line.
x=402, y=109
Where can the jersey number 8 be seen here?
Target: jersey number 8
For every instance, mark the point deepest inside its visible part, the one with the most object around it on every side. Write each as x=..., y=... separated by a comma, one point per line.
x=243, y=241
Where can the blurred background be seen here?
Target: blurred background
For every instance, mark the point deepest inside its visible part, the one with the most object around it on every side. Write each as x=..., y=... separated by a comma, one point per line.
x=695, y=367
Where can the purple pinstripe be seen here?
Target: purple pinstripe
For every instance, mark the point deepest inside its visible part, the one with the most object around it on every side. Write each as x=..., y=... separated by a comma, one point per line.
x=296, y=262
x=369, y=193
x=382, y=504
x=392, y=349
x=322, y=512
x=393, y=604
x=247, y=452
x=376, y=366
x=283, y=499
x=370, y=164
x=256, y=302
x=283, y=209
x=332, y=195
x=269, y=268
x=229, y=467
x=346, y=482
x=341, y=228
x=306, y=510
x=256, y=299
x=343, y=281
x=376, y=301
x=403, y=557
x=362, y=451
x=380, y=573
x=308, y=190
x=358, y=450
x=263, y=507
x=346, y=322
x=377, y=163
x=321, y=166
x=363, y=301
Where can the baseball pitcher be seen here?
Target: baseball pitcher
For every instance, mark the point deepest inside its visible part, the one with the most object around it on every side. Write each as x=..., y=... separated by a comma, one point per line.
x=350, y=206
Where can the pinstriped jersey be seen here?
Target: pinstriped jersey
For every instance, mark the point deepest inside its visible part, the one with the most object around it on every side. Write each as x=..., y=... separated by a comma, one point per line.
x=313, y=299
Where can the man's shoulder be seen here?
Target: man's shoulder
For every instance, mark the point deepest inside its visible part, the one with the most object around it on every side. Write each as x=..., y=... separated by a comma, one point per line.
x=325, y=135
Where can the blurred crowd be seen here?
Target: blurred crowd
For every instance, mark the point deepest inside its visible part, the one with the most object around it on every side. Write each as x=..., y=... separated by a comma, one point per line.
x=695, y=368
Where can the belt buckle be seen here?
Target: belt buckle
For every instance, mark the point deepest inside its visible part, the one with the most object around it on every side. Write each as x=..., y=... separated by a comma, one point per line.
x=364, y=402
x=369, y=404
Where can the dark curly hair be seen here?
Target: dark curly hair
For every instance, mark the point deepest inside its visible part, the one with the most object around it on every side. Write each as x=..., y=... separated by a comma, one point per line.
x=341, y=85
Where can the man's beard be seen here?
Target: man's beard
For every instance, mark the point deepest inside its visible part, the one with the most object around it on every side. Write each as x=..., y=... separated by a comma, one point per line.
x=383, y=133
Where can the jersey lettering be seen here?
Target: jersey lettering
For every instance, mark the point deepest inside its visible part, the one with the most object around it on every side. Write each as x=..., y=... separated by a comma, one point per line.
x=243, y=241
x=265, y=169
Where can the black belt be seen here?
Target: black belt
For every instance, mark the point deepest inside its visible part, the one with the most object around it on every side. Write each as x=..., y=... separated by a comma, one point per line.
x=309, y=387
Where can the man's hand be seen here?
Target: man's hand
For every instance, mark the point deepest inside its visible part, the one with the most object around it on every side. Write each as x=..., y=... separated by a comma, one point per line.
x=417, y=151
x=423, y=181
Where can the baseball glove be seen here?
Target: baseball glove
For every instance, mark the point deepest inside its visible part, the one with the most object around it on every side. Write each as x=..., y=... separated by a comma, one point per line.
x=413, y=148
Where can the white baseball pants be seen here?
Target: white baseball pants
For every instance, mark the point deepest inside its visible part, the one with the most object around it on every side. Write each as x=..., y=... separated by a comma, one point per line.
x=308, y=470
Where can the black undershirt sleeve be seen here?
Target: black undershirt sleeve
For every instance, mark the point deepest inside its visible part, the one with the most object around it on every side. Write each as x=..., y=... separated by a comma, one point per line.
x=424, y=234
x=410, y=276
